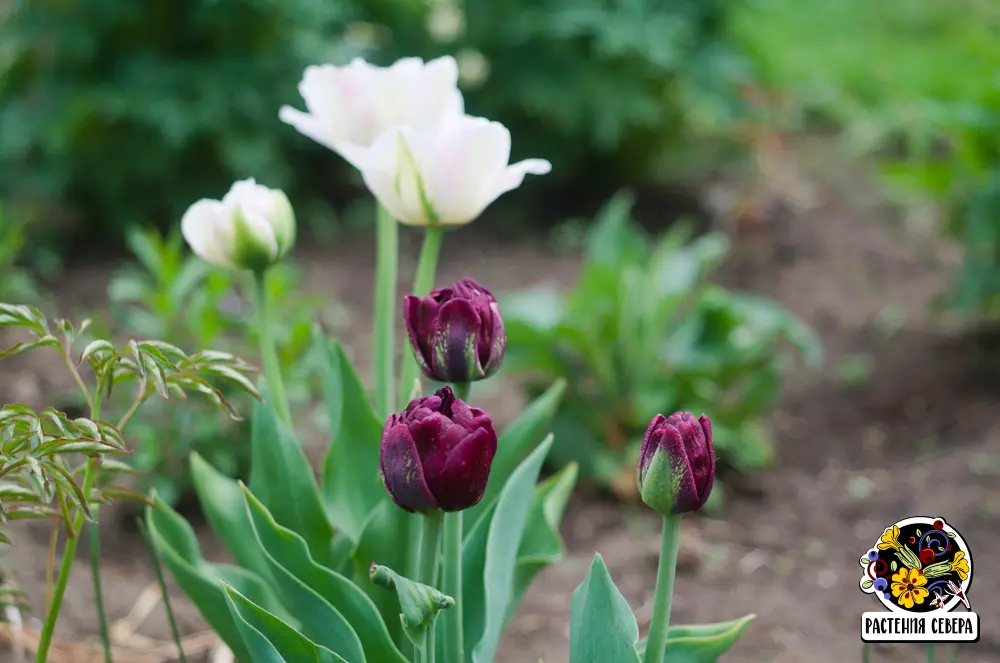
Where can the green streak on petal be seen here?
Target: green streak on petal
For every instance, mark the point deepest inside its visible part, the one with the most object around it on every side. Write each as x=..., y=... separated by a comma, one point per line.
x=425, y=203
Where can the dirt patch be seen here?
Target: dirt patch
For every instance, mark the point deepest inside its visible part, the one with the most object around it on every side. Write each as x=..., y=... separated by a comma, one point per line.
x=903, y=420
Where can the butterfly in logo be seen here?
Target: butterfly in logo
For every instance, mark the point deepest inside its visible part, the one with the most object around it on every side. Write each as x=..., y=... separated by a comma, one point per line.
x=938, y=601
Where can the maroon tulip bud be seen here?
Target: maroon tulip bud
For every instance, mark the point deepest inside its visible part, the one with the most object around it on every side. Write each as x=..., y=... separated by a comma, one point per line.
x=457, y=333
x=437, y=454
x=677, y=463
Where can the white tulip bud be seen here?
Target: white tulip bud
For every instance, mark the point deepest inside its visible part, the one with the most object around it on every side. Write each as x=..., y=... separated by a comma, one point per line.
x=252, y=227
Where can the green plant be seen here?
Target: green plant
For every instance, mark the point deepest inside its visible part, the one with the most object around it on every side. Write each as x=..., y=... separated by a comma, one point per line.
x=644, y=330
x=915, y=87
x=44, y=476
x=16, y=283
x=168, y=293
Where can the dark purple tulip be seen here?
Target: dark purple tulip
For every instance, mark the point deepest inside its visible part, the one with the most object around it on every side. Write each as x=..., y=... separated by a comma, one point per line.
x=457, y=333
x=677, y=463
x=437, y=454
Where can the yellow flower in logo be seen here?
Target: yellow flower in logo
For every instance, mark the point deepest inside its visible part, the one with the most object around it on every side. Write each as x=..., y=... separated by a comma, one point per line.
x=908, y=587
x=960, y=565
x=890, y=539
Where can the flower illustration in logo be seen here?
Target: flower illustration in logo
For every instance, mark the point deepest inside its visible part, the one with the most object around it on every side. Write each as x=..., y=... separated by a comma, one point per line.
x=908, y=586
x=918, y=565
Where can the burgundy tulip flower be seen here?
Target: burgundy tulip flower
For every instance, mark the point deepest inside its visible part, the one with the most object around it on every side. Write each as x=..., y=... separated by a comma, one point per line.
x=457, y=333
x=677, y=463
x=437, y=454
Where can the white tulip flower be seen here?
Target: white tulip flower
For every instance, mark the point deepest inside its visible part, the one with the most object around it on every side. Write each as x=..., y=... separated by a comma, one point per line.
x=444, y=176
x=350, y=106
x=252, y=227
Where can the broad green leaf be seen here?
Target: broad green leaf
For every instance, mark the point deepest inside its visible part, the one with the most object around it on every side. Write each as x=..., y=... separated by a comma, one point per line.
x=601, y=626
x=332, y=609
x=283, y=480
x=493, y=591
x=613, y=237
x=270, y=640
x=541, y=544
x=178, y=548
x=384, y=541
x=701, y=643
x=516, y=440
x=222, y=501
x=351, y=484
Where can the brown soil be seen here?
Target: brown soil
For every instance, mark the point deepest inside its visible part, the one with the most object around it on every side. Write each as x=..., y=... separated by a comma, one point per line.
x=919, y=436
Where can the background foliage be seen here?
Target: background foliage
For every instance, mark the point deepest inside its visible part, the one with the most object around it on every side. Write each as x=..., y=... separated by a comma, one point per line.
x=121, y=113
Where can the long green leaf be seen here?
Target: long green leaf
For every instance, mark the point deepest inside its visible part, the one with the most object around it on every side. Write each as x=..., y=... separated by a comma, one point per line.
x=542, y=544
x=332, y=609
x=270, y=640
x=178, y=548
x=701, y=643
x=516, y=440
x=222, y=502
x=351, y=484
x=283, y=480
x=495, y=586
x=602, y=626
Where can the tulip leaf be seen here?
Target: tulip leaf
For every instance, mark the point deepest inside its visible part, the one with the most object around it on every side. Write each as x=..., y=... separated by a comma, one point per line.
x=491, y=577
x=515, y=442
x=334, y=611
x=541, y=544
x=701, y=643
x=351, y=484
x=177, y=546
x=384, y=540
x=419, y=604
x=222, y=502
x=602, y=626
x=270, y=640
x=283, y=480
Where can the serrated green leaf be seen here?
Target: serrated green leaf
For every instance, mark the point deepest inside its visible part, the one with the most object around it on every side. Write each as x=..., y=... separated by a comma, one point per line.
x=602, y=626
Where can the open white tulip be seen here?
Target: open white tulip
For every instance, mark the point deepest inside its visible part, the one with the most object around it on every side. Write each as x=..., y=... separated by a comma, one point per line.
x=350, y=106
x=252, y=227
x=444, y=176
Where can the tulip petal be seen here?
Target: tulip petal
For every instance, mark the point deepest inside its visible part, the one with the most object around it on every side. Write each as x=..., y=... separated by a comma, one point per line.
x=419, y=315
x=402, y=472
x=455, y=342
x=650, y=442
x=308, y=125
x=391, y=172
x=513, y=175
x=467, y=471
x=207, y=232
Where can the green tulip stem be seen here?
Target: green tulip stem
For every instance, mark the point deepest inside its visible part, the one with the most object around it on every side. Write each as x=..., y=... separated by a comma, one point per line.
x=462, y=390
x=423, y=281
x=430, y=544
x=866, y=654
x=384, y=323
x=269, y=351
x=454, y=647
x=659, y=627
x=929, y=648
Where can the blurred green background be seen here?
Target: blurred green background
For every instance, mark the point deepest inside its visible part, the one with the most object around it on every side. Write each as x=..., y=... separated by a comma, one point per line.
x=115, y=116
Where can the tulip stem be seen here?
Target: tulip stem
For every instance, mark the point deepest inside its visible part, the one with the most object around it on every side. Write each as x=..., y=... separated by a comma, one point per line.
x=384, y=324
x=423, y=281
x=454, y=646
x=929, y=648
x=462, y=390
x=268, y=350
x=430, y=544
x=659, y=626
